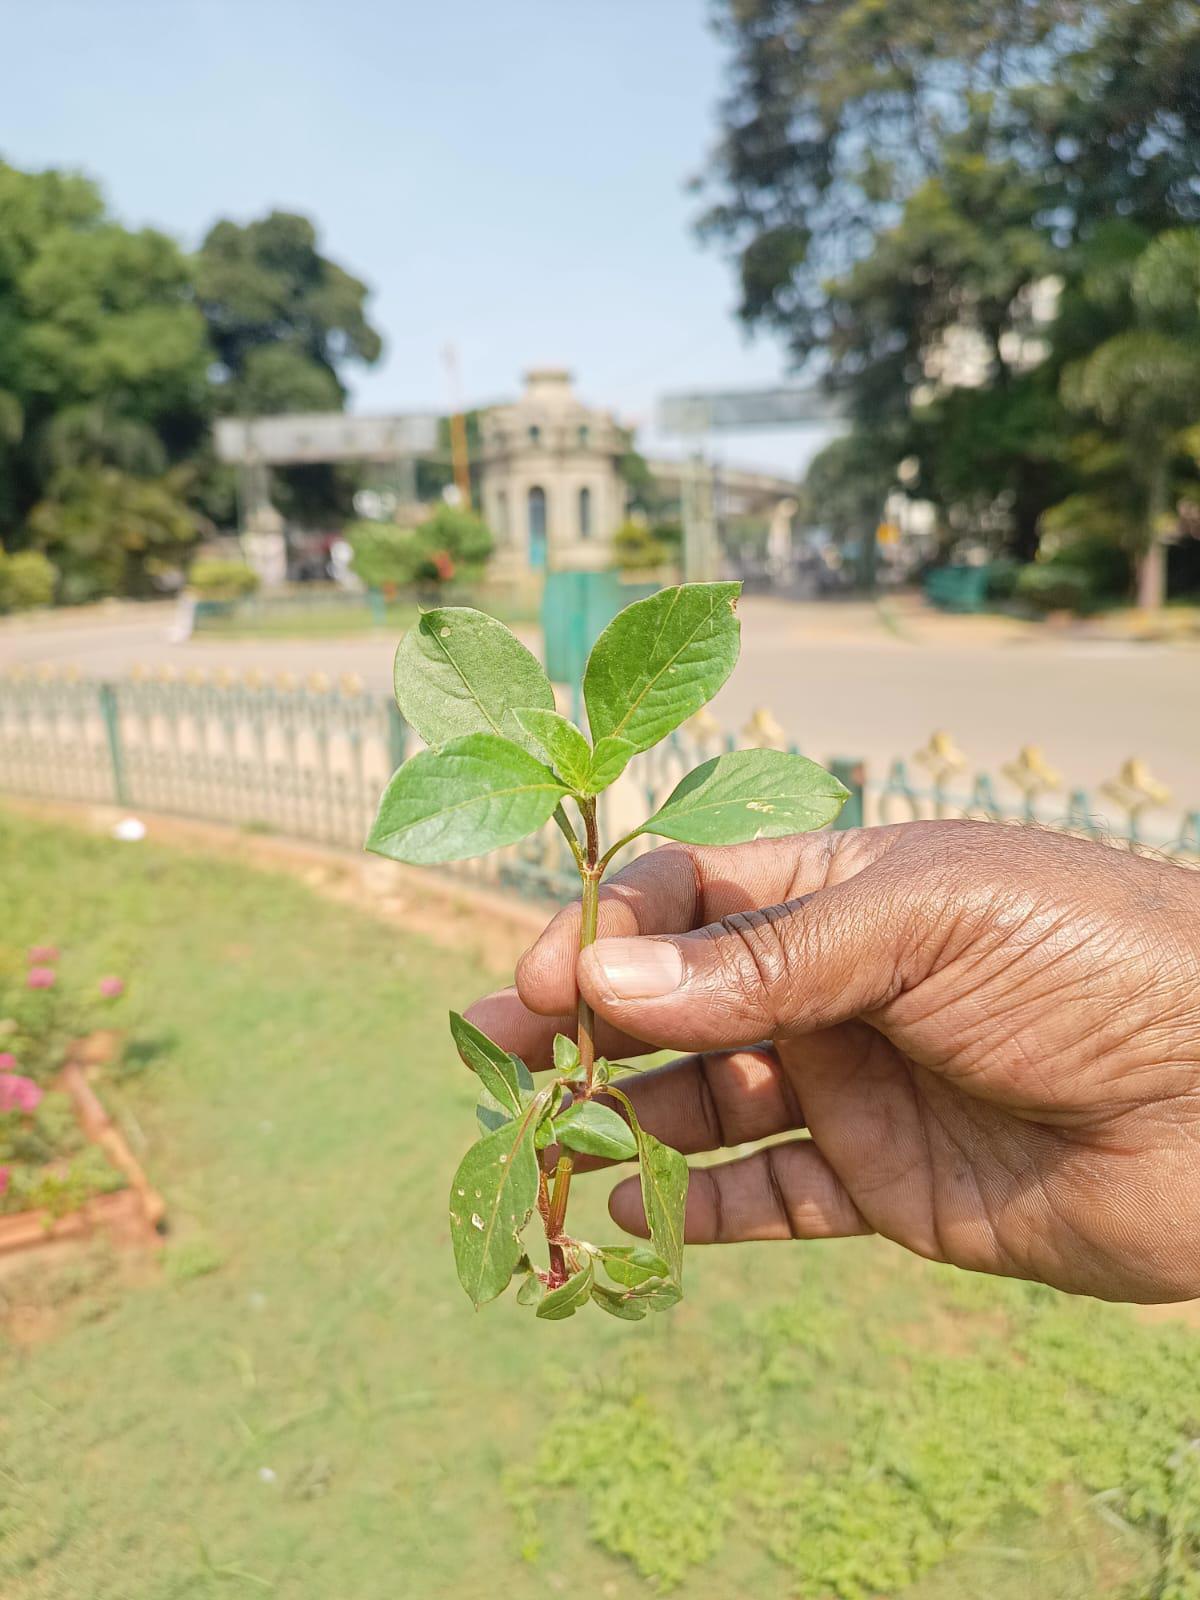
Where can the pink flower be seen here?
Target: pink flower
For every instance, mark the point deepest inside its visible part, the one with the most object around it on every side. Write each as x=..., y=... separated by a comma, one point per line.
x=42, y=954
x=8, y=1061
x=40, y=978
x=111, y=988
x=18, y=1093
x=3, y=1180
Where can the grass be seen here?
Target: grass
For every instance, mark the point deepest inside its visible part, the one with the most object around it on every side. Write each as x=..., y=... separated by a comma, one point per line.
x=318, y=622
x=298, y=1400
x=327, y=619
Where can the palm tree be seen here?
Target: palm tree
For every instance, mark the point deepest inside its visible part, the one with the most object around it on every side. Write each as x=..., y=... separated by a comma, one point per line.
x=1144, y=384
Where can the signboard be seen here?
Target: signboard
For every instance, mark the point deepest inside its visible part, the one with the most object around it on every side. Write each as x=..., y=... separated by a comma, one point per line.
x=704, y=411
x=324, y=436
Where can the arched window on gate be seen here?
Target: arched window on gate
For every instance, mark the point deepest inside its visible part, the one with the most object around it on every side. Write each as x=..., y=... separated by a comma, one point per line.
x=537, y=527
x=585, y=513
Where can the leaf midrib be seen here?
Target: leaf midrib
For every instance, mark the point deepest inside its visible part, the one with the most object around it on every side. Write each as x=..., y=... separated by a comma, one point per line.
x=474, y=800
x=509, y=1170
x=465, y=681
x=616, y=732
x=676, y=1237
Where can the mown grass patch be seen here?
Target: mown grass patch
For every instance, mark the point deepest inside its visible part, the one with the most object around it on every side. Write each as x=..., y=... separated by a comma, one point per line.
x=299, y=1401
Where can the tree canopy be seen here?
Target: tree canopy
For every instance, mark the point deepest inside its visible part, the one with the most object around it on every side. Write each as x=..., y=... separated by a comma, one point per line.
x=118, y=348
x=940, y=205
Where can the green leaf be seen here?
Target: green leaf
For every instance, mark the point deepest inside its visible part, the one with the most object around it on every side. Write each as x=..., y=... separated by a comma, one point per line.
x=587, y=771
x=660, y=1296
x=633, y=1265
x=659, y=661
x=609, y=760
x=493, y=1193
x=547, y=1130
x=566, y=1300
x=568, y=751
x=504, y=1076
x=489, y=1113
x=460, y=671
x=627, y=1307
x=475, y=795
x=566, y=1055
x=531, y=1291
x=595, y=1130
x=664, y=1178
x=749, y=794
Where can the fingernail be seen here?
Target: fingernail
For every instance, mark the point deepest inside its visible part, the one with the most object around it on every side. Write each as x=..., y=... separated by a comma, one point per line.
x=638, y=969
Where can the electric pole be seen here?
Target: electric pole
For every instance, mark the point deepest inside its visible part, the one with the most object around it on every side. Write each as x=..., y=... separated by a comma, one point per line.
x=458, y=429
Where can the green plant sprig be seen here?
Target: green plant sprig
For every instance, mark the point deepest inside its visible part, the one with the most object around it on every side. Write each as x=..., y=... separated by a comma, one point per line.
x=502, y=763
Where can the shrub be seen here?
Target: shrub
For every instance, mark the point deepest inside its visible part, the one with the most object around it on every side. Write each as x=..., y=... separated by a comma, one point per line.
x=222, y=580
x=463, y=536
x=105, y=528
x=1055, y=586
x=1083, y=533
x=383, y=554
x=27, y=579
x=1002, y=579
x=638, y=548
x=436, y=551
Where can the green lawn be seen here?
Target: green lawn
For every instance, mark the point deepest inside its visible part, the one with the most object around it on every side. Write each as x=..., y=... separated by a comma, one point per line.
x=300, y=1401
x=354, y=619
x=315, y=622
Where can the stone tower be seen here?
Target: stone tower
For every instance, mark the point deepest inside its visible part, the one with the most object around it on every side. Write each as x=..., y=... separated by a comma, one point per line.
x=549, y=479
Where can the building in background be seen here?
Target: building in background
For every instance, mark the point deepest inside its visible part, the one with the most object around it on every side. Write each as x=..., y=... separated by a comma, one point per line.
x=549, y=480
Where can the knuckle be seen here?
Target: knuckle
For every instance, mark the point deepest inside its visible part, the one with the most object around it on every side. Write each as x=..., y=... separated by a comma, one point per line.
x=756, y=953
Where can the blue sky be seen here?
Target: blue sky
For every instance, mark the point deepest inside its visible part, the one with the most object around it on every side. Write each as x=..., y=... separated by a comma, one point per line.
x=507, y=176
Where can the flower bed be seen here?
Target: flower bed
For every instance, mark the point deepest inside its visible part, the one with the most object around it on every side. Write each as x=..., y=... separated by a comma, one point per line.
x=65, y=1168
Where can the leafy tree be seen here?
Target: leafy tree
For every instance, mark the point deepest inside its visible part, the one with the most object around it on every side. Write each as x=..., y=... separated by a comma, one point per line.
x=897, y=182
x=640, y=486
x=284, y=322
x=846, y=485
x=1143, y=384
x=837, y=113
x=103, y=355
x=110, y=533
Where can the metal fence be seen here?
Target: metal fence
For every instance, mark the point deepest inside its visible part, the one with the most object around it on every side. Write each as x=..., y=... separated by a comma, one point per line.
x=311, y=760
x=307, y=760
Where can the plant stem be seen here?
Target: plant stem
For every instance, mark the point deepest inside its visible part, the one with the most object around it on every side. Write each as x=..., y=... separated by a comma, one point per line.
x=569, y=834
x=590, y=871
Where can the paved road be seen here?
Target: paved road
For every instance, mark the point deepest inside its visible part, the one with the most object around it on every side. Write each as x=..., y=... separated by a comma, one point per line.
x=838, y=681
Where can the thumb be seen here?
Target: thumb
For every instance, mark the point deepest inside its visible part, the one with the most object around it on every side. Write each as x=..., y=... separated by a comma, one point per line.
x=787, y=969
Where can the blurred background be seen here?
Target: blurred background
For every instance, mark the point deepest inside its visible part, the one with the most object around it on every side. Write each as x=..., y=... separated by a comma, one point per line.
x=313, y=315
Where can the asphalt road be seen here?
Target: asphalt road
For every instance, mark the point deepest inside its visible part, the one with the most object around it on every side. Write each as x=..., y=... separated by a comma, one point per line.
x=835, y=677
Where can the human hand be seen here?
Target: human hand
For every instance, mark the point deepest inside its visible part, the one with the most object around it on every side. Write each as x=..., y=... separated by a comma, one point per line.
x=992, y=1035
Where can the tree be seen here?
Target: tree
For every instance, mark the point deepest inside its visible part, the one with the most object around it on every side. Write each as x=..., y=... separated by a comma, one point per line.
x=846, y=485
x=103, y=355
x=901, y=184
x=837, y=114
x=1143, y=384
x=110, y=533
x=285, y=322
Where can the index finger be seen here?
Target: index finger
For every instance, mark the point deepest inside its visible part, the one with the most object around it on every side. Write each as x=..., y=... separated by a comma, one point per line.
x=678, y=888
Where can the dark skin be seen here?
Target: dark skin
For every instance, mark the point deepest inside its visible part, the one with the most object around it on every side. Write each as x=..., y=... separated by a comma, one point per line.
x=991, y=1034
